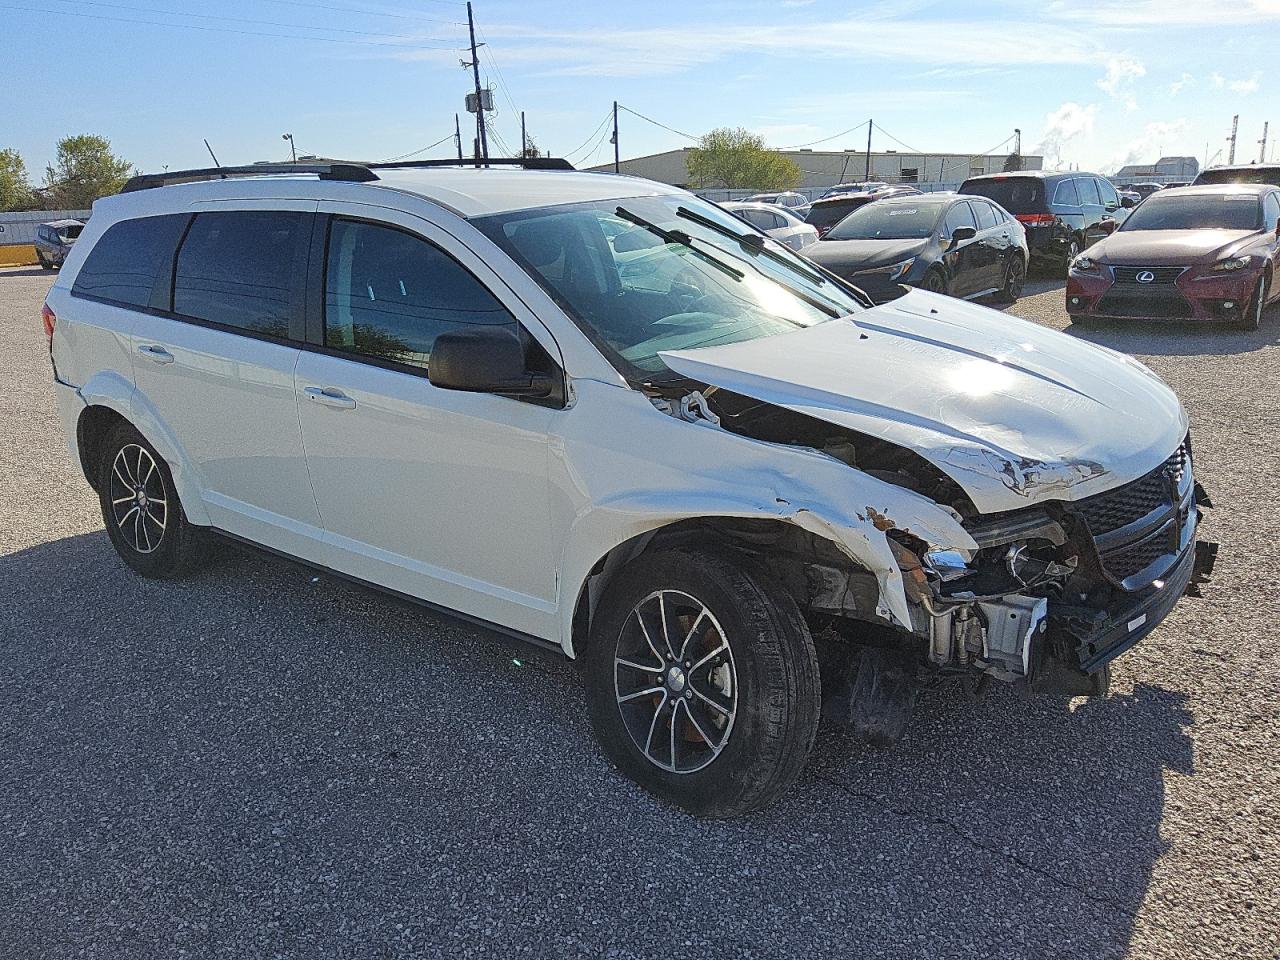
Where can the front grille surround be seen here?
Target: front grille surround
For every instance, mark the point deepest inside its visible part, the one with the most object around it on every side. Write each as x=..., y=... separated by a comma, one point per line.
x=1163, y=276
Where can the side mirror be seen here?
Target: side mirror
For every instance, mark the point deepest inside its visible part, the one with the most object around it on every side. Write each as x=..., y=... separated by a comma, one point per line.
x=1127, y=203
x=1278, y=229
x=484, y=360
x=963, y=233
x=1109, y=226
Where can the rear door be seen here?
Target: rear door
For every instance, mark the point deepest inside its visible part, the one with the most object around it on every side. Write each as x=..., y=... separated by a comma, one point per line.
x=439, y=494
x=989, y=251
x=214, y=364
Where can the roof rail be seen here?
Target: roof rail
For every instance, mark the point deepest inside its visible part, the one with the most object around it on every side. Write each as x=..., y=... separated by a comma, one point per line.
x=528, y=163
x=355, y=172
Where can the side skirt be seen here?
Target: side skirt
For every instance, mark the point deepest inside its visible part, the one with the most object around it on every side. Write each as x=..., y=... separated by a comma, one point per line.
x=396, y=594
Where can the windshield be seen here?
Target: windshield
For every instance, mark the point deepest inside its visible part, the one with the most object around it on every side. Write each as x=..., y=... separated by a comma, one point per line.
x=1016, y=194
x=1240, y=211
x=1269, y=175
x=831, y=212
x=677, y=279
x=71, y=232
x=888, y=221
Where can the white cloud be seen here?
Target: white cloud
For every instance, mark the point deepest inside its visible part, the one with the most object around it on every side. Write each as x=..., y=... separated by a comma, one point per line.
x=1184, y=81
x=1217, y=80
x=1121, y=72
x=1064, y=126
x=1167, y=13
x=1245, y=87
x=1158, y=138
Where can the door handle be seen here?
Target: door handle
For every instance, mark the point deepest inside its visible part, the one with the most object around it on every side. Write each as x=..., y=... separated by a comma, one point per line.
x=155, y=352
x=330, y=397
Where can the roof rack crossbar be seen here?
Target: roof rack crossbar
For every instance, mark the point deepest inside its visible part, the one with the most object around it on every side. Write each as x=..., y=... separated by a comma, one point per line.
x=354, y=172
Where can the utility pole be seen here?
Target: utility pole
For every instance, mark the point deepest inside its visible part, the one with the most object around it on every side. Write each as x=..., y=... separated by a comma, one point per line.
x=870, y=126
x=457, y=134
x=475, y=74
x=524, y=141
x=1262, y=156
x=1235, y=124
x=617, y=163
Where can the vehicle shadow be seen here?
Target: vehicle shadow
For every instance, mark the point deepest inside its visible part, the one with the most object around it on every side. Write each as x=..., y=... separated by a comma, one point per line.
x=260, y=753
x=1176, y=339
x=26, y=272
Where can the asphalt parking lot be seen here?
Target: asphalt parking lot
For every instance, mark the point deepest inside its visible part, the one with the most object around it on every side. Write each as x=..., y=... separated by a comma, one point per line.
x=261, y=763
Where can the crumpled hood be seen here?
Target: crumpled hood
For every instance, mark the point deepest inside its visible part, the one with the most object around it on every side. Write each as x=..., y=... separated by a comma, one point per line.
x=1013, y=412
x=844, y=256
x=1168, y=248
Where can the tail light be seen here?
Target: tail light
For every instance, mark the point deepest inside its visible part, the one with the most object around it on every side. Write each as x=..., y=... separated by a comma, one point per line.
x=49, y=318
x=1034, y=219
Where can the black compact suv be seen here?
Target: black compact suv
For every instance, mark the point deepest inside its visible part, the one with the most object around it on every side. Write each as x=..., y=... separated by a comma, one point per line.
x=1268, y=173
x=1063, y=212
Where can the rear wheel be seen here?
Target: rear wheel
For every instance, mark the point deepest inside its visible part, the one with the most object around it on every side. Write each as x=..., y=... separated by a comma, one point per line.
x=140, y=508
x=1015, y=275
x=1252, y=319
x=44, y=264
x=1072, y=251
x=702, y=681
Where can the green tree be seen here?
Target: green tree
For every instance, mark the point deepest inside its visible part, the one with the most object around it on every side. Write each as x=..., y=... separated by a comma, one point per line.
x=1012, y=163
x=530, y=150
x=738, y=159
x=15, y=189
x=85, y=170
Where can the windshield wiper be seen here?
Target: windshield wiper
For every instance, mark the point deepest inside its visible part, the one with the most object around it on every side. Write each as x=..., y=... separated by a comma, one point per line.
x=680, y=238
x=752, y=242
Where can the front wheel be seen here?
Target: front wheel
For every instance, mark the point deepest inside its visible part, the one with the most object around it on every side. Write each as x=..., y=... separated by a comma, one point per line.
x=140, y=508
x=702, y=681
x=1015, y=275
x=1252, y=319
x=934, y=282
x=44, y=264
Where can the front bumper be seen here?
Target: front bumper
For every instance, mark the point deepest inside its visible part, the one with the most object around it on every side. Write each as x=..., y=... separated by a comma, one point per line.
x=1195, y=295
x=1096, y=637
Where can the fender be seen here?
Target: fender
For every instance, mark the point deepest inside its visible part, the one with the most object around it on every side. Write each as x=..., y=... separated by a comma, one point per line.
x=751, y=479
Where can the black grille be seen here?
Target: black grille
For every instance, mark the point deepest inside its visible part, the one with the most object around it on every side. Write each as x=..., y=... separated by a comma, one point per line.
x=1139, y=301
x=1123, y=564
x=1160, y=275
x=1124, y=505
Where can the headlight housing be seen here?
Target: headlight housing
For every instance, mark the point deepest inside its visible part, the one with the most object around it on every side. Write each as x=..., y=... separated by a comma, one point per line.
x=900, y=269
x=1084, y=264
x=1232, y=263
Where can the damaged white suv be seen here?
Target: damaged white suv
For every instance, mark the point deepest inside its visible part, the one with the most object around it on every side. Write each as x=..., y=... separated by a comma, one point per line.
x=599, y=413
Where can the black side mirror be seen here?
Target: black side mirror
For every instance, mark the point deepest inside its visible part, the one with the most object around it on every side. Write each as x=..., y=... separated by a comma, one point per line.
x=484, y=360
x=963, y=233
x=1278, y=229
x=1127, y=203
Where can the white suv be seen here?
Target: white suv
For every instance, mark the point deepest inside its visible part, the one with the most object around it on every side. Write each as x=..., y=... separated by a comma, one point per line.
x=599, y=413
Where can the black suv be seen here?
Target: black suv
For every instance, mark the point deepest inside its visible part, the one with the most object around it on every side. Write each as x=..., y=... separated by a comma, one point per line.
x=1268, y=173
x=1063, y=212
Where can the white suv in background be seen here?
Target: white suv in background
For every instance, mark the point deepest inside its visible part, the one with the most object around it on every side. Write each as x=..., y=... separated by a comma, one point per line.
x=601, y=414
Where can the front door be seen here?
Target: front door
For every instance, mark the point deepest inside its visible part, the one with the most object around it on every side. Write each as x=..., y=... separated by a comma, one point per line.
x=438, y=494
x=217, y=372
x=961, y=257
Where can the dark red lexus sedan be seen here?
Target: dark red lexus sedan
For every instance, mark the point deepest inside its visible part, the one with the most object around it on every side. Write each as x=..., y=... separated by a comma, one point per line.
x=1191, y=253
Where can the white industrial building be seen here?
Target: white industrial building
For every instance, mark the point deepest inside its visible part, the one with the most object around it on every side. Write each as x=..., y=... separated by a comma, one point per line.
x=825, y=168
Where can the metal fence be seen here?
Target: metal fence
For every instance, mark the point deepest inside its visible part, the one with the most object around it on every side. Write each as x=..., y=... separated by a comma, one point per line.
x=18, y=229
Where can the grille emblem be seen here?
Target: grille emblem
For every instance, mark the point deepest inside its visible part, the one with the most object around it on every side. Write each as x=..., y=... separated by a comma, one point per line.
x=1146, y=276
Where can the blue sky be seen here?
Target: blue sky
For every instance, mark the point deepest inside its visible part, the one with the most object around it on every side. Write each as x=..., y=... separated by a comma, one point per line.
x=1096, y=83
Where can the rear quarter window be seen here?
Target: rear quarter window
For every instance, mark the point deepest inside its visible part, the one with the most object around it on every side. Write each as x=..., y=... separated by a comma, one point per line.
x=1015, y=194
x=122, y=266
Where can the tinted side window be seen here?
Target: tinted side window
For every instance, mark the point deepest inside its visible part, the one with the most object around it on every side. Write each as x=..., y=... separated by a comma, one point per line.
x=121, y=267
x=986, y=216
x=1088, y=188
x=389, y=294
x=958, y=216
x=1270, y=211
x=238, y=268
x=1066, y=195
x=1108, y=192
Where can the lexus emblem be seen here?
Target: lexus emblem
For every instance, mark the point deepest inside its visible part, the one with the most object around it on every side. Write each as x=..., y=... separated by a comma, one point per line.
x=1146, y=276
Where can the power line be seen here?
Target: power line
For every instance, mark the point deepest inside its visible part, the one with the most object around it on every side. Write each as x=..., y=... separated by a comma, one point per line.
x=836, y=136
x=687, y=136
x=424, y=44
x=406, y=156
x=896, y=140
x=591, y=136
x=264, y=23
x=377, y=13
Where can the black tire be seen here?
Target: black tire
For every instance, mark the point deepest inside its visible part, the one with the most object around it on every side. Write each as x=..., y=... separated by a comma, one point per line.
x=149, y=529
x=935, y=282
x=44, y=264
x=1252, y=319
x=771, y=659
x=1072, y=251
x=1015, y=275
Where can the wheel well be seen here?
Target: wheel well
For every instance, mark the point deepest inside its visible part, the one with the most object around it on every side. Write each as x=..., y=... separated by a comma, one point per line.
x=95, y=423
x=784, y=549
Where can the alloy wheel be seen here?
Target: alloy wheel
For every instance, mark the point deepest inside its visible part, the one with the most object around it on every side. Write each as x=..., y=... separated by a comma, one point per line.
x=139, y=501
x=675, y=681
x=1015, y=276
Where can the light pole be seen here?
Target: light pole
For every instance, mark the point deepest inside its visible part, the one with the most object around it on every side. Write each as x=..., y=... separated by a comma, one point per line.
x=292, y=151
